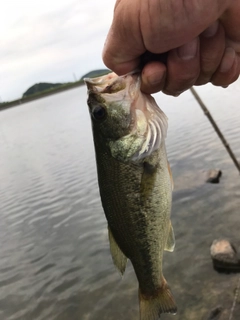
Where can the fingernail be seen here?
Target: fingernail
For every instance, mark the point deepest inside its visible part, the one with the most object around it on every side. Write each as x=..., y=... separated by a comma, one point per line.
x=172, y=93
x=211, y=31
x=228, y=60
x=188, y=51
x=154, y=79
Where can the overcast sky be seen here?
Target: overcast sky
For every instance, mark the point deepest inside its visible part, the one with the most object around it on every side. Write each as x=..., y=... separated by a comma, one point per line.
x=49, y=41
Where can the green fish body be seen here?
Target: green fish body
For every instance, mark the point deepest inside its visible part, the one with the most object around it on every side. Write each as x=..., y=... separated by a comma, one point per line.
x=135, y=183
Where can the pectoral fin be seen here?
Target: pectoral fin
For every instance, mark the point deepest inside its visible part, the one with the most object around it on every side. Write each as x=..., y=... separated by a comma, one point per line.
x=170, y=244
x=119, y=259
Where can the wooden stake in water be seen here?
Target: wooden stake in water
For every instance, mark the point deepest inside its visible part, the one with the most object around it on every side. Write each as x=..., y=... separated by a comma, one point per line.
x=216, y=128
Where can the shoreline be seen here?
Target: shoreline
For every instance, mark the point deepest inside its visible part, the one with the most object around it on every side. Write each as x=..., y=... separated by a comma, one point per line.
x=40, y=95
x=48, y=92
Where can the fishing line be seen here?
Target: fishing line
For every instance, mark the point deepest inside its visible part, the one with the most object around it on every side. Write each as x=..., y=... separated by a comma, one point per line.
x=216, y=128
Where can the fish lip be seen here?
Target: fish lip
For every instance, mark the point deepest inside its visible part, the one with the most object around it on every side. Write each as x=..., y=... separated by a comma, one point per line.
x=91, y=84
x=93, y=81
x=111, y=75
x=100, y=84
x=99, y=81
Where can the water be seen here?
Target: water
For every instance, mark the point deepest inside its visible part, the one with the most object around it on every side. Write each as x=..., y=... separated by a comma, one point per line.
x=54, y=255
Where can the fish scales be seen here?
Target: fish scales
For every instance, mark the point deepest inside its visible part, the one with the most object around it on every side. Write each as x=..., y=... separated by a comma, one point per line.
x=136, y=195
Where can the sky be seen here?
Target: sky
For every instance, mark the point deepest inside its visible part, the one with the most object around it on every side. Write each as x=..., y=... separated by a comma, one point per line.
x=50, y=41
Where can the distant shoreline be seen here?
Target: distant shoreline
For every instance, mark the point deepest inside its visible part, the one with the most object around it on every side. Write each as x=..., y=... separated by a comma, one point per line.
x=34, y=93
x=18, y=102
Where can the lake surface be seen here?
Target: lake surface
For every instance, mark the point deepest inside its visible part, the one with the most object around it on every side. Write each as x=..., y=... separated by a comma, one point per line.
x=55, y=262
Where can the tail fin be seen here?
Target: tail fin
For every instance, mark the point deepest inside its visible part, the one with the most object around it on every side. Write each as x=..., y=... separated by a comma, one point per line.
x=161, y=302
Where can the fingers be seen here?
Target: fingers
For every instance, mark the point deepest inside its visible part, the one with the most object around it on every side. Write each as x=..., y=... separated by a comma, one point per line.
x=212, y=47
x=153, y=77
x=201, y=61
x=229, y=69
x=181, y=72
x=183, y=68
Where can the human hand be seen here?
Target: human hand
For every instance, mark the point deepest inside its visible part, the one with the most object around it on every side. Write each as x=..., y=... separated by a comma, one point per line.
x=202, y=41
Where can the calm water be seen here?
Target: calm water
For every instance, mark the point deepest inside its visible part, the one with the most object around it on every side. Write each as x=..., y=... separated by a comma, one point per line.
x=54, y=255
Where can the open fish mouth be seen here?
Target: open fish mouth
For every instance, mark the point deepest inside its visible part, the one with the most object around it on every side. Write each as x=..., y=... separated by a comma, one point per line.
x=112, y=83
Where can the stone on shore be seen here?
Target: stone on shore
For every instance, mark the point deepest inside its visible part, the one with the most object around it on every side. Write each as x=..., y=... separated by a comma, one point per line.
x=214, y=176
x=224, y=256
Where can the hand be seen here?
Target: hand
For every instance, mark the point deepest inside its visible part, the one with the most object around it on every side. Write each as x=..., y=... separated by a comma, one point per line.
x=202, y=40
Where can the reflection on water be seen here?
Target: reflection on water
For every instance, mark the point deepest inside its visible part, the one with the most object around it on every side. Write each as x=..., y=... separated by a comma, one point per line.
x=54, y=256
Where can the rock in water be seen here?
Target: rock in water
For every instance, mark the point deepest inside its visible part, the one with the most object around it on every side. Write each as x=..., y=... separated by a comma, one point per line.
x=224, y=256
x=214, y=176
x=215, y=313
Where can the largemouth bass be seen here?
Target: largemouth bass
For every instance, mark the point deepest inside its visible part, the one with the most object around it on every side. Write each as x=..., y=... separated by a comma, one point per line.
x=135, y=183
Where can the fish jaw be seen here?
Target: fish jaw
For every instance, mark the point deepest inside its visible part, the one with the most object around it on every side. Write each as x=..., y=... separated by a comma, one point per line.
x=111, y=84
x=98, y=84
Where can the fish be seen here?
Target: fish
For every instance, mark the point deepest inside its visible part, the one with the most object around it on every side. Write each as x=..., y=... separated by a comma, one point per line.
x=135, y=183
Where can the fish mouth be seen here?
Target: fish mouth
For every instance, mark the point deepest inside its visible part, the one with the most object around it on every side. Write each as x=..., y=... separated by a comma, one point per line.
x=111, y=83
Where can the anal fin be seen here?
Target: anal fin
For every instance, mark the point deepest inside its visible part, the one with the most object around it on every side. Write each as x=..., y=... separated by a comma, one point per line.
x=170, y=244
x=119, y=258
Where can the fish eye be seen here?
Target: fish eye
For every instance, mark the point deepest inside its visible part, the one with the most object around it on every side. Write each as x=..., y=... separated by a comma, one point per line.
x=99, y=112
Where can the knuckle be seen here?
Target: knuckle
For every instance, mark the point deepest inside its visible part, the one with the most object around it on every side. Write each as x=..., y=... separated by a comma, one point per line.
x=177, y=87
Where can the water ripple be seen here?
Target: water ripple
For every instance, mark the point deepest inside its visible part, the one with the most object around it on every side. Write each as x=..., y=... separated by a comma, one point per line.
x=55, y=257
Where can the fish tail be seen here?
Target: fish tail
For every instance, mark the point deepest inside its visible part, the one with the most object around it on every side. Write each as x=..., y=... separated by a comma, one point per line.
x=161, y=301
